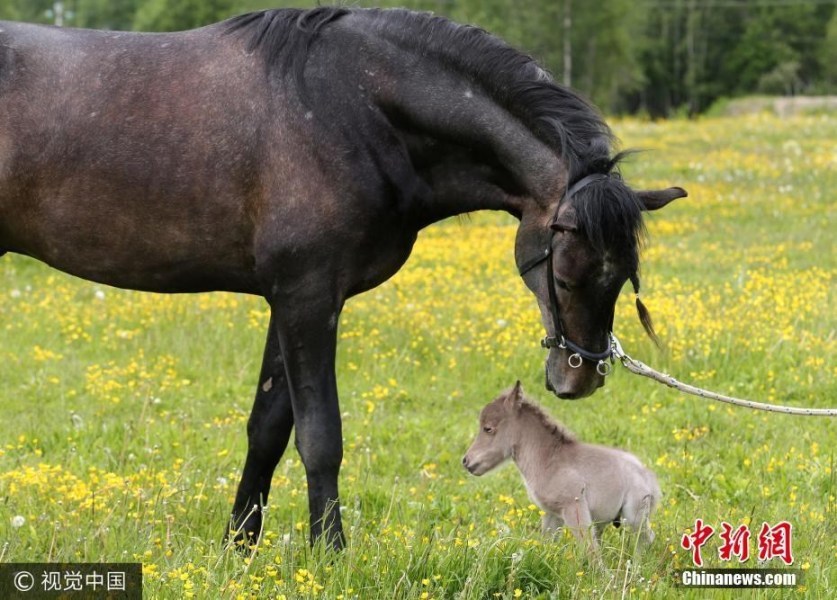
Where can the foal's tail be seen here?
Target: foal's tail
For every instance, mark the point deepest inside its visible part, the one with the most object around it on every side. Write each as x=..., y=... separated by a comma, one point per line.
x=646, y=507
x=648, y=504
x=653, y=498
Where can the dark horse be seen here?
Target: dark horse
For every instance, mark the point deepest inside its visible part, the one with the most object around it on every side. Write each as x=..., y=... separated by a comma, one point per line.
x=295, y=155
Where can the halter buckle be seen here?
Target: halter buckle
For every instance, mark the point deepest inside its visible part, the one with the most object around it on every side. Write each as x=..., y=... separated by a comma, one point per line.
x=603, y=368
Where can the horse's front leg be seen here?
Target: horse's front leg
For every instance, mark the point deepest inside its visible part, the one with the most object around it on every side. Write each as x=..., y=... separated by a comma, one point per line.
x=268, y=431
x=306, y=324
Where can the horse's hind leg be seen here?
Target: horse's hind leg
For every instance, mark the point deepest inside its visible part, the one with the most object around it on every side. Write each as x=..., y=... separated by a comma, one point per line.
x=268, y=430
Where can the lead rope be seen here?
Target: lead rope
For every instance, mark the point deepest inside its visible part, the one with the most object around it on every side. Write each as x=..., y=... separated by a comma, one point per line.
x=640, y=368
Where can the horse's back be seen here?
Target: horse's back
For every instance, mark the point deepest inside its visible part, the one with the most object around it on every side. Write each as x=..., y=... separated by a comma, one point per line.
x=130, y=158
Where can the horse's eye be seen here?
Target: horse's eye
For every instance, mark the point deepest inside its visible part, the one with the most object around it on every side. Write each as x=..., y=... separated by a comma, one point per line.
x=488, y=429
x=562, y=284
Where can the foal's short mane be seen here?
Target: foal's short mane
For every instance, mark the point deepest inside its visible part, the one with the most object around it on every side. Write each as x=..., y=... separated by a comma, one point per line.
x=557, y=115
x=554, y=427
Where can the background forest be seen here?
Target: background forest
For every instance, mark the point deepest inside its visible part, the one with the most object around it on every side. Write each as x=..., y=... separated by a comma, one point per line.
x=658, y=57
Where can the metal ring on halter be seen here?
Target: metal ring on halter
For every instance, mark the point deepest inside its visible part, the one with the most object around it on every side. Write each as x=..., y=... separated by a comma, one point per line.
x=603, y=368
x=578, y=360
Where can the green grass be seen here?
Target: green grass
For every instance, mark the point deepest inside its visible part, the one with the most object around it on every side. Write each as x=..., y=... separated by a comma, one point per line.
x=123, y=414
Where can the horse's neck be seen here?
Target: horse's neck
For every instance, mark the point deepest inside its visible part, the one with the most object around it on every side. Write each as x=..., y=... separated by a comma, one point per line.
x=494, y=163
x=471, y=151
x=536, y=445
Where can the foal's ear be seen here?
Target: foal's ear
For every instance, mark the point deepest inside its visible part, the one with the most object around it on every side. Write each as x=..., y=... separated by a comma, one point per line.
x=515, y=396
x=654, y=199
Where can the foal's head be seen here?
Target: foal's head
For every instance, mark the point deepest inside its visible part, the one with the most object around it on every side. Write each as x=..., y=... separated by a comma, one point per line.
x=499, y=431
x=576, y=259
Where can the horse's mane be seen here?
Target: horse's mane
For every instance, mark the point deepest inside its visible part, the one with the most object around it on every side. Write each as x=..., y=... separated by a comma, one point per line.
x=558, y=430
x=283, y=36
x=556, y=114
x=610, y=214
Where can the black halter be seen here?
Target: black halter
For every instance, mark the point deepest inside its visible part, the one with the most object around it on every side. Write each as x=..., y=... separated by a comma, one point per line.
x=579, y=354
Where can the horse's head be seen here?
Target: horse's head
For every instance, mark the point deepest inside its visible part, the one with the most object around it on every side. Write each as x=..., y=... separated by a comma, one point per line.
x=576, y=260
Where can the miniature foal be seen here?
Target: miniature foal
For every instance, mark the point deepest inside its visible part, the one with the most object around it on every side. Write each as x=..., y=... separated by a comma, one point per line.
x=578, y=485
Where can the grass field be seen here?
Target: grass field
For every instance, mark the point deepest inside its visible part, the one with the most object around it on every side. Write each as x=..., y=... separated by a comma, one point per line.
x=122, y=415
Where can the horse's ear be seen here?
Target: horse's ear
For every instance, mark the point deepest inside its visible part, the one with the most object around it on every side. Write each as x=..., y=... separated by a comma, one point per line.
x=515, y=396
x=654, y=199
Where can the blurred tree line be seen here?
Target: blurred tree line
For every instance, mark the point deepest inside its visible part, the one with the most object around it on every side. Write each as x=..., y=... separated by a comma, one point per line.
x=654, y=56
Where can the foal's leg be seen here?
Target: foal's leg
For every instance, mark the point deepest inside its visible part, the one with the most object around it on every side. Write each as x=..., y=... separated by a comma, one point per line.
x=598, y=530
x=638, y=515
x=268, y=430
x=551, y=525
x=577, y=517
x=307, y=330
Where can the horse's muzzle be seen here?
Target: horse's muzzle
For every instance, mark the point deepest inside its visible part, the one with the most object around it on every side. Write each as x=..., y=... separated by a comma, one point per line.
x=575, y=384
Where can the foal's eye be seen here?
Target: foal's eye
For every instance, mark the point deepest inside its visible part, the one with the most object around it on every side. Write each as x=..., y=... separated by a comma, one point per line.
x=562, y=284
x=488, y=429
